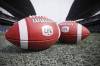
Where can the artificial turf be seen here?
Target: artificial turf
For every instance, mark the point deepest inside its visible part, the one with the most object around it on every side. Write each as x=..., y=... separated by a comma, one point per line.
x=85, y=53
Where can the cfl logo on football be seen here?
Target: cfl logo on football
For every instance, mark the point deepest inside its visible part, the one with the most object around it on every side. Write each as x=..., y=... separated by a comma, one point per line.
x=47, y=30
x=65, y=29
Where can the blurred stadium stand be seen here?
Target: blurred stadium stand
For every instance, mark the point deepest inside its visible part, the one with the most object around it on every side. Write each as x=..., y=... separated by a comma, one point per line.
x=3, y=28
x=85, y=9
x=6, y=19
x=18, y=8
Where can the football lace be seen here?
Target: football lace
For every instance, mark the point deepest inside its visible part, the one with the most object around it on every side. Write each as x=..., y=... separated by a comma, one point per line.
x=41, y=19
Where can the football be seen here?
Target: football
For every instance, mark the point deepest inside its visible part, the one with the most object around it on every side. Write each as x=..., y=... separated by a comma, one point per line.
x=72, y=32
x=33, y=32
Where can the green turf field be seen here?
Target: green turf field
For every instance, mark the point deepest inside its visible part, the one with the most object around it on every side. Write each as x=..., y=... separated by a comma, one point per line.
x=1, y=33
x=85, y=53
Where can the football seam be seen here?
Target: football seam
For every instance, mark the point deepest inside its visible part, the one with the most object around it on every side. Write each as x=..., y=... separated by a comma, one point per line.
x=34, y=40
x=75, y=35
